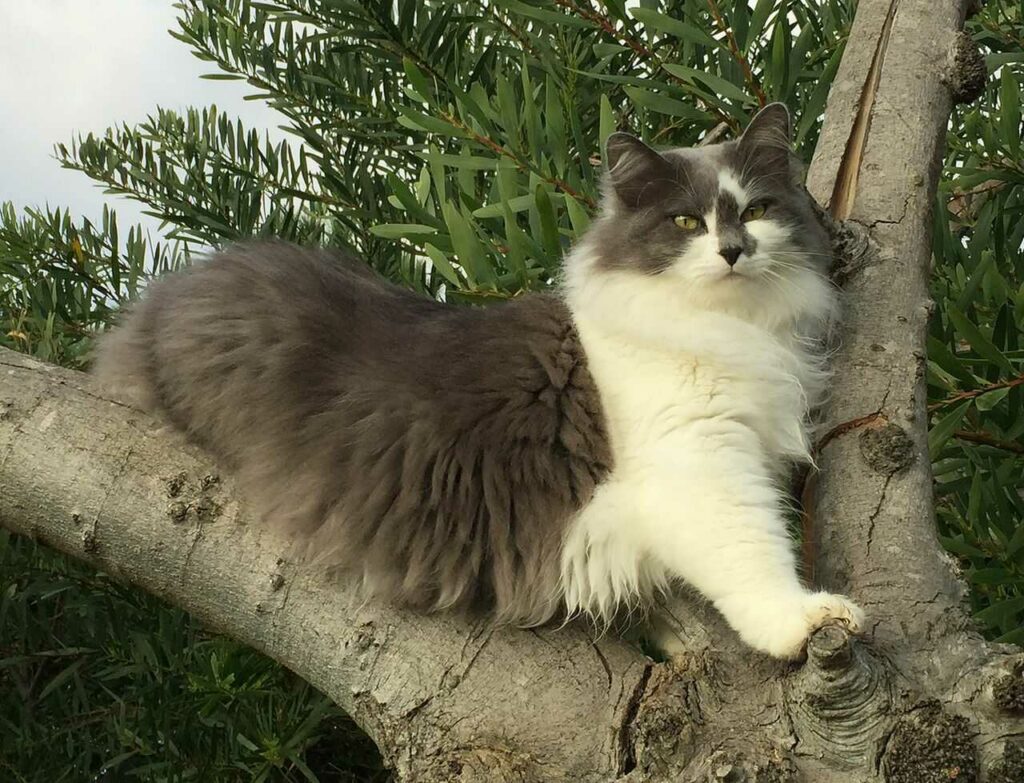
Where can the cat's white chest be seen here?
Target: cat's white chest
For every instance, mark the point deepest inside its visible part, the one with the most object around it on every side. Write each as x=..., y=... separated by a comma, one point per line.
x=686, y=430
x=657, y=402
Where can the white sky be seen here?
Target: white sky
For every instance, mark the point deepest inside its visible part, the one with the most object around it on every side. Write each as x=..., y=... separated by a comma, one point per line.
x=84, y=65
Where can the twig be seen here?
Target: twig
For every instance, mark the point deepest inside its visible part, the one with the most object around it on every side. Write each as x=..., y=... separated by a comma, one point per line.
x=748, y=74
x=871, y=419
x=985, y=439
x=607, y=26
x=714, y=134
x=969, y=395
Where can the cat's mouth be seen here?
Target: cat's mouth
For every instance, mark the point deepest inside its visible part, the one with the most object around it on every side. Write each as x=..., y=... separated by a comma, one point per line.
x=734, y=275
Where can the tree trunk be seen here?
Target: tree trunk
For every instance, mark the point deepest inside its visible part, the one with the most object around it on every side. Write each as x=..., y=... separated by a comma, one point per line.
x=921, y=698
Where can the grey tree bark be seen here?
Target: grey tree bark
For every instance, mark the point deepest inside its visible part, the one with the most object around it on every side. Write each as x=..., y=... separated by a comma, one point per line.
x=921, y=698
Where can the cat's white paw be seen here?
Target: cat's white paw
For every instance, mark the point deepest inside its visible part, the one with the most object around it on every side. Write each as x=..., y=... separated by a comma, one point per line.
x=783, y=631
x=826, y=607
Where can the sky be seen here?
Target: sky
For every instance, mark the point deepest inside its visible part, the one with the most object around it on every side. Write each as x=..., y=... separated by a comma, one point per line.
x=69, y=66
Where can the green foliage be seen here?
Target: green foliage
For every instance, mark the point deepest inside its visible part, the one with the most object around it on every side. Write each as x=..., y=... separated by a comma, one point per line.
x=101, y=682
x=60, y=279
x=975, y=348
x=454, y=146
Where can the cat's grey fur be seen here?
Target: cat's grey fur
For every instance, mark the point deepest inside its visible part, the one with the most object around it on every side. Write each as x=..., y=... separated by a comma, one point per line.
x=438, y=451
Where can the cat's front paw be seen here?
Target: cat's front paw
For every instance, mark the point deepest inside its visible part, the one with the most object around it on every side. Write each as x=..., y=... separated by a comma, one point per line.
x=823, y=608
x=817, y=609
x=781, y=630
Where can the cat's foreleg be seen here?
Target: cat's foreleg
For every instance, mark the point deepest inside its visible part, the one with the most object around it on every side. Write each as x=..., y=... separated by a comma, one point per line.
x=718, y=524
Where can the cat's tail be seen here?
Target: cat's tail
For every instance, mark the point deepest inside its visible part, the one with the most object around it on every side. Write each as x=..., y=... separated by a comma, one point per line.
x=123, y=359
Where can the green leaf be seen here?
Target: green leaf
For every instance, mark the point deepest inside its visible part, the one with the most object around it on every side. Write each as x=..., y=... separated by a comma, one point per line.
x=979, y=343
x=960, y=547
x=61, y=677
x=548, y=222
x=1009, y=110
x=715, y=83
x=417, y=120
x=517, y=204
x=999, y=59
x=607, y=123
x=675, y=27
x=989, y=400
x=994, y=576
x=401, y=230
x=578, y=217
x=554, y=125
x=554, y=18
x=999, y=612
x=442, y=265
x=467, y=246
x=758, y=22
x=942, y=430
x=665, y=105
x=420, y=89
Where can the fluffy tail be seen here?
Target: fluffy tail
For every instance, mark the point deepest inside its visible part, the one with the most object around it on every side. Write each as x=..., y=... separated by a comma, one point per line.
x=123, y=363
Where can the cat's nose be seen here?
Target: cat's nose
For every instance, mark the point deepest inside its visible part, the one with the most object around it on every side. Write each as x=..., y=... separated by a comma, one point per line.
x=730, y=254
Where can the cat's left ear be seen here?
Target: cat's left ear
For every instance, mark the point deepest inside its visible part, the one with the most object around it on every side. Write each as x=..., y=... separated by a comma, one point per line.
x=769, y=136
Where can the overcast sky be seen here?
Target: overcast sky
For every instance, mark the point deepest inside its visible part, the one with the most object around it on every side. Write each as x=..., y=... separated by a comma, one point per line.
x=84, y=65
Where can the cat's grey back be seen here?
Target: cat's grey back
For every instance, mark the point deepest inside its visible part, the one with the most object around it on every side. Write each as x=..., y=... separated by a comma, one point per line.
x=438, y=451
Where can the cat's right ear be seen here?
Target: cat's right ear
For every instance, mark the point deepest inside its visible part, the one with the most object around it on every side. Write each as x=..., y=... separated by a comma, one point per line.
x=632, y=166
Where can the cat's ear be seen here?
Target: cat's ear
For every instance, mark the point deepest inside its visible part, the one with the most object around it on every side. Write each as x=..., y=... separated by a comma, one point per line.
x=768, y=137
x=632, y=166
x=770, y=127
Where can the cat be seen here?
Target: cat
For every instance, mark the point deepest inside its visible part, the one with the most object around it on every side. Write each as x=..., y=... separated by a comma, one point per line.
x=561, y=453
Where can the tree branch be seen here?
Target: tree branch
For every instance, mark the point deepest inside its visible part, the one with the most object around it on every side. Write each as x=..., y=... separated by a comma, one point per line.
x=880, y=172
x=94, y=479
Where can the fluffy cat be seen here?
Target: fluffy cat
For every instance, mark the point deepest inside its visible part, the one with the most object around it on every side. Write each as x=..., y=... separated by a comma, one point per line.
x=556, y=454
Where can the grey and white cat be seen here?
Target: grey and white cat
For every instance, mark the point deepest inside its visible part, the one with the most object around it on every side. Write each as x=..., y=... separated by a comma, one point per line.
x=563, y=453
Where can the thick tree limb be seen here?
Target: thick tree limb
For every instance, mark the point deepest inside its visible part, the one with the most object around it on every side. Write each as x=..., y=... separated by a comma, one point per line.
x=876, y=167
x=444, y=699
x=875, y=511
x=922, y=699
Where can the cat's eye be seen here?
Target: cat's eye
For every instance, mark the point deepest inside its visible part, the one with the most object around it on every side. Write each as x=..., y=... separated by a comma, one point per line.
x=754, y=212
x=687, y=222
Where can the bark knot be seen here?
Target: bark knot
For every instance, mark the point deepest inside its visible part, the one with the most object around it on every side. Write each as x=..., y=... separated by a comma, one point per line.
x=661, y=737
x=887, y=449
x=1010, y=769
x=192, y=501
x=854, y=250
x=481, y=765
x=970, y=74
x=930, y=744
x=1008, y=691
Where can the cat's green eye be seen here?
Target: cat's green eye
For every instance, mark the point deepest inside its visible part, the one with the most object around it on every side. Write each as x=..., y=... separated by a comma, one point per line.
x=687, y=222
x=754, y=212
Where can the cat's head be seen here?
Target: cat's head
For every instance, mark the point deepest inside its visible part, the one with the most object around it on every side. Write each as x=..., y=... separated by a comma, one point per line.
x=726, y=227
